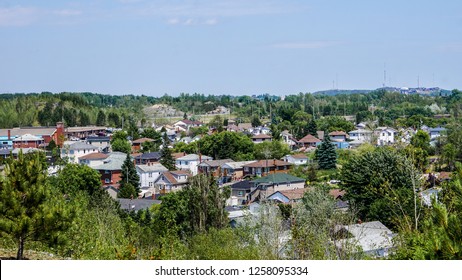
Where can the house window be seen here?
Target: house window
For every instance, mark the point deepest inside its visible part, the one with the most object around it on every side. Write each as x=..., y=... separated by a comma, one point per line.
x=150, y=184
x=150, y=174
x=107, y=181
x=161, y=188
x=106, y=172
x=71, y=152
x=240, y=193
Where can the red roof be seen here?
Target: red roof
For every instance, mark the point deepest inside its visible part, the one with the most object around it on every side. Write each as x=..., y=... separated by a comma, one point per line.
x=338, y=133
x=142, y=140
x=336, y=193
x=300, y=156
x=94, y=156
x=268, y=163
x=262, y=136
x=309, y=139
x=295, y=193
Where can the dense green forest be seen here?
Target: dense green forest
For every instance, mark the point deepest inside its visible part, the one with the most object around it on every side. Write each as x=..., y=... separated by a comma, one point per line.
x=293, y=112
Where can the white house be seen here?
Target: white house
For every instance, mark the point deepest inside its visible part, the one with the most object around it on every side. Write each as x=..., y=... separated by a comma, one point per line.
x=297, y=159
x=93, y=159
x=385, y=135
x=436, y=132
x=363, y=135
x=190, y=162
x=149, y=173
x=289, y=139
x=171, y=181
x=73, y=151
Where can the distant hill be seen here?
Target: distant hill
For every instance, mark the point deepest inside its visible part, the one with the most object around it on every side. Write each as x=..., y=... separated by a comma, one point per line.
x=331, y=92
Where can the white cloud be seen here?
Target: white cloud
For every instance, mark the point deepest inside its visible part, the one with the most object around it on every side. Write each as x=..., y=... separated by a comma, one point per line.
x=451, y=47
x=66, y=12
x=18, y=16
x=307, y=45
x=211, y=21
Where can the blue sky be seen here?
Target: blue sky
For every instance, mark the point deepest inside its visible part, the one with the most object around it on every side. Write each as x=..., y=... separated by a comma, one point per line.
x=228, y=46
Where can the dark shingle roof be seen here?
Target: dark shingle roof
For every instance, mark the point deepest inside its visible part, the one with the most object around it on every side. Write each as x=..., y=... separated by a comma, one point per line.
x=278, y=178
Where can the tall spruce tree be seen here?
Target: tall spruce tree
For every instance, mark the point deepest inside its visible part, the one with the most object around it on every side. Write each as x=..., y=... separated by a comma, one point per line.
x=129, y=178
x=101, y=118
x=325, y=154
x=166, y=155
x=31, y=209
x=312, y=128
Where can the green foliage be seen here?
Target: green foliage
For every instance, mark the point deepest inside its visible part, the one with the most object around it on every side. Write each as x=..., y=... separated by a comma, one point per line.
x=326, y=155
x=167, y=159
x=226, y=145
x=439, y=236
x=421, y=140
x=129, y=177
x=74, y=178
x=255, y=121
x=271, y=150
x=334, y=123
x=380, y=185
x=315, y=220
x=101, y=118
x=127, y=190
x=119, y=145
x=31, y=209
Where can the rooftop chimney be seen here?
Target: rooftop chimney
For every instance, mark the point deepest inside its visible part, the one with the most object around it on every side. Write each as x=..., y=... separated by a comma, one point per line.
x=9, y=134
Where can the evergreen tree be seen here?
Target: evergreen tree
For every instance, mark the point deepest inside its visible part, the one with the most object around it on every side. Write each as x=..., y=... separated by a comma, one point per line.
x=312, y=128
x=127, y=191
x=167, y=159
x=325, y=154
x=30, y=208
x=101, y=118
x=129, y=175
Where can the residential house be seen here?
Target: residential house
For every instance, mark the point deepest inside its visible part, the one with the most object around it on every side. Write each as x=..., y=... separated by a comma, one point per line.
x=288, y=196
x=72, y=151
x=46, y=133
x=265, y=186
x=93, y=159
x=171, y=181
x=265, y=167
x=138, y=143
x=232, y=171
x=243, y=127
x=309, y=141
x=83, y=132
x=146, y=158
x=338, y=136
x=102, y=142
x=149, y=173
x=385, y=135
x=190, y=162
x=185, y=125
x=436, y=132
x=261, y=138
x=240, y=191
x=212, y=167
x=374, y=238
x=28, y=141
x=296, y=159
x=111, y=171
x=361, y=135
x=289, y=139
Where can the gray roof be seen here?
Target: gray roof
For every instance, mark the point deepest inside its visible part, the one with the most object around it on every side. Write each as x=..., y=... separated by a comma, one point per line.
x=371, y=236
x=114, y=161
x=16, y=132
x=155, y=167
x=237, y=164
x=136, y=204
x=82, y=146
x=151, y=155
x=194, y=157
x=216, y=163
